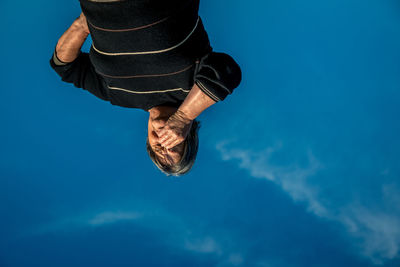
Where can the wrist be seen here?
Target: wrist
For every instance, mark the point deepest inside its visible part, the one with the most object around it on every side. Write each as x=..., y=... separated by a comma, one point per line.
x=183, y=116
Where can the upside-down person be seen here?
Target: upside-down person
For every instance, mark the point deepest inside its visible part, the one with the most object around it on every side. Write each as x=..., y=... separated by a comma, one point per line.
x=153, y=55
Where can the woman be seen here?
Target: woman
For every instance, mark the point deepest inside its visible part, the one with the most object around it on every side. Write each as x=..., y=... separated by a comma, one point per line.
x=153, y=55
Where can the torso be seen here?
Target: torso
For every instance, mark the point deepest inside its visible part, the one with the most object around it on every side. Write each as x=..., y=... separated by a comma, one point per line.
x=146, y=50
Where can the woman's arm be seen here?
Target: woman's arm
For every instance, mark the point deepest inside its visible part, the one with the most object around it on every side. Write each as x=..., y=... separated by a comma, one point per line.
x=70, y=43
x=72, y=65
x=195, y=103
x=178, y=125
x=217, y=77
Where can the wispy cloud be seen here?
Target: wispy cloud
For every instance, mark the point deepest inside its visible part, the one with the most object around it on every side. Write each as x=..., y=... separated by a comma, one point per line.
x=378, y=230
x=173, y=230
x=202, y=245
x=235, y=259
x=84, y=220
x=113, y=217
x=293, y=178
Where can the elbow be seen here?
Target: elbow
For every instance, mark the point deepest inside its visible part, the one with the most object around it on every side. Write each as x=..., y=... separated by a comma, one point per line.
x=218, y=75
x=231, y=75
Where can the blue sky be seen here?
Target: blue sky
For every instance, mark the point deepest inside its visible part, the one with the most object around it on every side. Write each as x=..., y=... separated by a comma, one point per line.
x=299, y=167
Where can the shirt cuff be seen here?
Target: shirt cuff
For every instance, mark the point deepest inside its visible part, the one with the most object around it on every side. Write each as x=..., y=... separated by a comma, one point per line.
x=57, y=61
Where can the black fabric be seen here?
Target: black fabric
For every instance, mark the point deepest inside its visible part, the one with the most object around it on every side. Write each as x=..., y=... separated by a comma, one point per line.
x=178, y=22
x=81, y=73
x=218, y=75
x=153, y=78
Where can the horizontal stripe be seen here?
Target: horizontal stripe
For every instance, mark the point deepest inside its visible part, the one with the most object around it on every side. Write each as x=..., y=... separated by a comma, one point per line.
x=140, y=27
x=146, y=75
x=148, y=52
x=131, y=29
x=105, y=1
x=148, y=92
x=208, y=92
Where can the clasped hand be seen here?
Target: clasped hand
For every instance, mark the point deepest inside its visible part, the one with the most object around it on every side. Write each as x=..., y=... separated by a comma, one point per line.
x=175, y=130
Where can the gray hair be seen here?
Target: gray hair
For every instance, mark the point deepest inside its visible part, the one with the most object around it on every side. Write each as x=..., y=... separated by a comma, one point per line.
x=188, y=157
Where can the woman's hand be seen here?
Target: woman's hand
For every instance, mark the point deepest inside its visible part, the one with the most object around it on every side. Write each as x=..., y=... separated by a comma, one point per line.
x=178, y=125
x=175, y=130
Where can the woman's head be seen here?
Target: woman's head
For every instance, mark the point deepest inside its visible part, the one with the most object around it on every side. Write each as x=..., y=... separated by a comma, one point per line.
x=178, y=160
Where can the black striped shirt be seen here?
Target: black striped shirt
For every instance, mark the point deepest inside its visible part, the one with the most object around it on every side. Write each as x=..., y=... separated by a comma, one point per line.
x=147, y=53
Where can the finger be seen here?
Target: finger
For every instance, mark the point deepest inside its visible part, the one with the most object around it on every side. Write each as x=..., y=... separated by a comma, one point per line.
x=163, y=137
x=174, y=144
x=161, y=134
x=165, y=141
x=170, y=134
x=175, y=141
x=168, y=142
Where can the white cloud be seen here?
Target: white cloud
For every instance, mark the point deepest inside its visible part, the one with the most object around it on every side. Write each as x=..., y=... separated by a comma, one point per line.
x=235, y=259
x=177, y=232
x=293, y=179
x=113, y=217
x=77, y=222
x=379, y=231
x=202, y=245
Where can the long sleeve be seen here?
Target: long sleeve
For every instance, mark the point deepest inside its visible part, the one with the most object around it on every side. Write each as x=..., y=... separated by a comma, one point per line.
x=218, y=75
x=81, y=74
